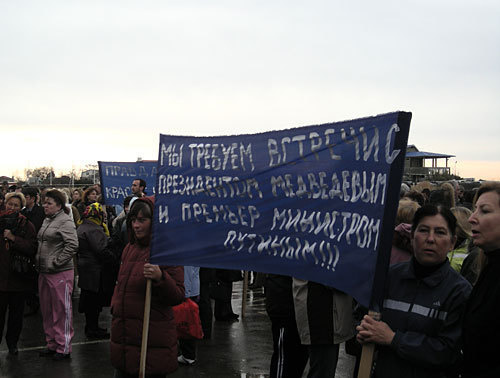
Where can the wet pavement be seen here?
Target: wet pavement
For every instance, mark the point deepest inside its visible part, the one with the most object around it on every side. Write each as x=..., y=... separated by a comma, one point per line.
x=236, y=349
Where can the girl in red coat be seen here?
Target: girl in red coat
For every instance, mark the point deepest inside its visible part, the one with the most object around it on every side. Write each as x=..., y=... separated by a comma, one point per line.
x=127, y=305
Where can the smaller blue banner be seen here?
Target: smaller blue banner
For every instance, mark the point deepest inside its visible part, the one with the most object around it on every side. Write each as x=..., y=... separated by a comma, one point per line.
x=117, y=177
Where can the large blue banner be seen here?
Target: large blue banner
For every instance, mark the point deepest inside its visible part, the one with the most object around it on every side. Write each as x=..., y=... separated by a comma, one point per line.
x=311, y=202
x=117, y=177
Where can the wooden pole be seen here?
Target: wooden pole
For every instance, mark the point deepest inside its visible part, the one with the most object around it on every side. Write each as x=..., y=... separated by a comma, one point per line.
x=244, y=295
x=145, y=330
x=366, y=363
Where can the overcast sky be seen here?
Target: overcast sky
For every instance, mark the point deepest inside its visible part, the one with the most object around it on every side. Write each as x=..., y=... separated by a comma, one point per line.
x=82, y=81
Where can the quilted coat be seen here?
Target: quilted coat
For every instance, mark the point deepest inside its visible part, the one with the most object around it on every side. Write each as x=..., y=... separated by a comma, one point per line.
x=127, y=306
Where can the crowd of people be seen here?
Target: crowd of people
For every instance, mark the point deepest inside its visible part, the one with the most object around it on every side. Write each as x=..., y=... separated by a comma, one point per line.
x=437, y=317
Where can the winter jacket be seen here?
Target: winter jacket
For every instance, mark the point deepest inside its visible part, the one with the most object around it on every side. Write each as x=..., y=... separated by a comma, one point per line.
x=57, y=243
x=24, y=244
x=94, y=256
x=127, y=307
x=426, y=316
x=481, y=332
x=323, y=314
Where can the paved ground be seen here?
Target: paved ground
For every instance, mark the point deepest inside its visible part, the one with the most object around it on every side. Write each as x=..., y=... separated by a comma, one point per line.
x=239, y=349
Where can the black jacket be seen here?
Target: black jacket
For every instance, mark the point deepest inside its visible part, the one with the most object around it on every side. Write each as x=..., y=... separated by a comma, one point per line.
x=481, y=331
x=426, y=315
x=36, y=216
x=279, y=298
x=95, y=259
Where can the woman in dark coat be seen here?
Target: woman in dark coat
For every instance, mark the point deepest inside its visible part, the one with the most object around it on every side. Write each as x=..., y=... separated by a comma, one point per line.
x=127, y=305
x=96, y=264
x=481, y=333
x=18, y=236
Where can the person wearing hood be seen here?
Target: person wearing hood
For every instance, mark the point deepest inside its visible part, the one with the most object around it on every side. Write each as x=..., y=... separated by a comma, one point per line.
x=57, y=244
x=127, y=304
x=95, y=264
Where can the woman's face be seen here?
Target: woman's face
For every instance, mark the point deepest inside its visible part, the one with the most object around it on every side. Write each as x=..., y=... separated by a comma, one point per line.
x=141, y=226
x=432, y=240
x=485, y=221
x=76, y=195
x=92, y=196
x=13, y=204
x=50, y=206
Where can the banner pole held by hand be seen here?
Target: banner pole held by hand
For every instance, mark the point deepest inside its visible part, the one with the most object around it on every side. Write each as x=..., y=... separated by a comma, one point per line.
x=367, y=353
x=145, y=330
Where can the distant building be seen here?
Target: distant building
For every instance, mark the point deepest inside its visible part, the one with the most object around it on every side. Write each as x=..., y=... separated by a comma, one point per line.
x=34, y=181
x=416, y=168
x=9, y=180
x=90, y=174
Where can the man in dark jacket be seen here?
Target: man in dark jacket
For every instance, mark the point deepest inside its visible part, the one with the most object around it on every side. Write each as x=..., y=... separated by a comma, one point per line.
x=35, y=214
x=33, y=211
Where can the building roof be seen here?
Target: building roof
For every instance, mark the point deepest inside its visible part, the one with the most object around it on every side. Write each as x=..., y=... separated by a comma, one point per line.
x=427, y=155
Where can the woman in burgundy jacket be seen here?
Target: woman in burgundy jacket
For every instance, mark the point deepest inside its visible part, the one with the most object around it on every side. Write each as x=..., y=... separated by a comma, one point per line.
x=127, y=305
x=17, y=236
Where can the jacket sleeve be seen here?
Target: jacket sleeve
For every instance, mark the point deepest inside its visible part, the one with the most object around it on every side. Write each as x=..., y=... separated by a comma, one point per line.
x=170, y=289
x=67, y=231
x=26, y=244
x=100, y=245
x=443, y=348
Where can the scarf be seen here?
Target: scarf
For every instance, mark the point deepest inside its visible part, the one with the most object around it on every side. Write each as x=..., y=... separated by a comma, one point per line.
x=95, y=214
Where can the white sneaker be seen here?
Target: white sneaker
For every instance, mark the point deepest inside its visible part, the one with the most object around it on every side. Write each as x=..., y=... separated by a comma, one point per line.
x=186, y=361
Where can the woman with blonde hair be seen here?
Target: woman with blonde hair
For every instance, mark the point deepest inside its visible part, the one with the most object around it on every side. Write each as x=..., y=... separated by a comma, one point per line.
x=462, y=245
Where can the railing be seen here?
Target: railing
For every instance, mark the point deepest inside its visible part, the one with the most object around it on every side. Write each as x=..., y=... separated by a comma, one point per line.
x=426, y=171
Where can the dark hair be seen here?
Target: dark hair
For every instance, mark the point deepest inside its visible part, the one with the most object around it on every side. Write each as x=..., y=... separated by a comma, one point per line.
x=442, y=197
x=127, y=200
x=59, y=198
x=30, y=191
x=415, y=196
x=137, y=207
x=86, y=193
x=431, y=210
x=141, y=183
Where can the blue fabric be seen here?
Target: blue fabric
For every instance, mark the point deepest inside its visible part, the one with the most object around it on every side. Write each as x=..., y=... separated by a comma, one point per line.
x=117, y=177
x=313, y=202
x=192, y=281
